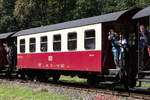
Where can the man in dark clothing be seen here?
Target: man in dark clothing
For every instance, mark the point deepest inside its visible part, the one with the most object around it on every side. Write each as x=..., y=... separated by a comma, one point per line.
x=3, y=55
x=144, y=43
x=14, y=55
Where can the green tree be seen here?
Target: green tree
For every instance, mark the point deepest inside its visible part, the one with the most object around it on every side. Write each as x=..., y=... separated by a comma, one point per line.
x=7, y=7
x=53, y=12
x=6, y=16
x=7, y=24
x=30, y=13
x=142, y=3
x=23, y=14
x=87, y=8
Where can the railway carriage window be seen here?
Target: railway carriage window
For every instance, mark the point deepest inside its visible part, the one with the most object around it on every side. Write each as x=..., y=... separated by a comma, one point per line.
x=32, y=44
x=22, y=45
x=72, y=41
x=44, y=44
x=57, y=43
x=89, y=39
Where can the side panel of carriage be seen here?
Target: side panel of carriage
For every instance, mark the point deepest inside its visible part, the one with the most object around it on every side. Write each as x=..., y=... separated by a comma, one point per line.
x=86, y=56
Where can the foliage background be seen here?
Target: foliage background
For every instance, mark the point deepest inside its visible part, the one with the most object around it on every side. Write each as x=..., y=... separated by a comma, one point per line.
x=23, y=14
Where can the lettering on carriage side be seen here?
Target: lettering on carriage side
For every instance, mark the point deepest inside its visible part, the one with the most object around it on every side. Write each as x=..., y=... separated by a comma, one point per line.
x=46, y=65
x=51, y=65
x=57, y=65
x=50, y=58
x=54, y=65
x=39, y=64
x=62, y=65
x=91, y=55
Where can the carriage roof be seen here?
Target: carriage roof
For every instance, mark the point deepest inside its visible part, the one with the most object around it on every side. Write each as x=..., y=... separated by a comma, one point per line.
x=6, y=35
x=143, y=13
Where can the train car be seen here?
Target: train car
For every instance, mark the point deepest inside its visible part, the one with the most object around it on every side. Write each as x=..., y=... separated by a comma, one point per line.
x=76, y=48
x=143, y=18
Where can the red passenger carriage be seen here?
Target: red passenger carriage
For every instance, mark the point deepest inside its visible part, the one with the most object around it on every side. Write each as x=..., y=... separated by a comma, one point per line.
x=77, y=47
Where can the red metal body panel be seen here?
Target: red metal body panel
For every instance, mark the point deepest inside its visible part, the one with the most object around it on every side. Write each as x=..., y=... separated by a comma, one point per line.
x=75, y=61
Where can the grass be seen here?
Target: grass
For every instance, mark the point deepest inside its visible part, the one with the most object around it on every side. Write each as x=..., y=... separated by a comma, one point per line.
x=143, y=84
x=20, y=93
x=146, y=84
x=70, y=79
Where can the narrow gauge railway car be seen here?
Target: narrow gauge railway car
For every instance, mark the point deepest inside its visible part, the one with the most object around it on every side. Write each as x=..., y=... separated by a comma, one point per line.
x=77, y=48
x=143, y=18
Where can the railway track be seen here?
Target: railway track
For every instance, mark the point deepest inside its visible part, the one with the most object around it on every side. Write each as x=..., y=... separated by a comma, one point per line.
x=117, y=92
x=100, y=93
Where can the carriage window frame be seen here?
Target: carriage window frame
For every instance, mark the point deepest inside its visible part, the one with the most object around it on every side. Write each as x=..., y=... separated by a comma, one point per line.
x=42, y=43
x=32, y=45
x=88, y=38
x=71, y=40
x=55, y=42
x=22, y=46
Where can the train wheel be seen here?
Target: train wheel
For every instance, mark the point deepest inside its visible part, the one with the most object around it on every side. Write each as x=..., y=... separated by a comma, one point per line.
x=31, y=77
x=56, y=77
x=22, y=76
x=92, y=82
x=42, y=78
x=8, y=73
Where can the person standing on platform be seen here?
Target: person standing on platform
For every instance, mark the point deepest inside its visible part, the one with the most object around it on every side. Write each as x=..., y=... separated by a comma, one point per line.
x=3, y=55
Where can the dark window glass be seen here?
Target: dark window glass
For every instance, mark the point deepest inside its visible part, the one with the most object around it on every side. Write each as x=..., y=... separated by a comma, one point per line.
x=32, y=45
x=22, y=45
x=57, y=43
x=90, y=39
x=44, y=44
x=72, y=41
